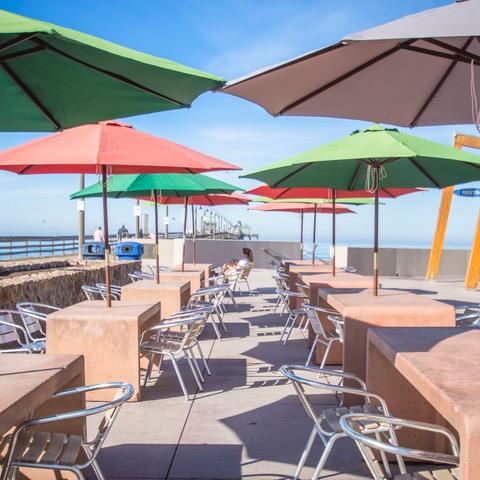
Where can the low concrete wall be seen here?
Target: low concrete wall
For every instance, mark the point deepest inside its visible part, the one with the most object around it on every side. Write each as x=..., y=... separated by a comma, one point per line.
x=60, y=287
x=403, y=262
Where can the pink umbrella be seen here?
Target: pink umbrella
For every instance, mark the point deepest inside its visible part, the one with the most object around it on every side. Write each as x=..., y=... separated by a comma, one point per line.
x=106, y=148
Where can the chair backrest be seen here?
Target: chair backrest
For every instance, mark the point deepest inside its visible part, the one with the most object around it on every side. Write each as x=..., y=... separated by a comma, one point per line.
x=315, y=323
x=303, y=289
x=92, y=293
x=34, y=316
x=13, y=337
x=246, y=271
x=376, y=433
x=194, y=330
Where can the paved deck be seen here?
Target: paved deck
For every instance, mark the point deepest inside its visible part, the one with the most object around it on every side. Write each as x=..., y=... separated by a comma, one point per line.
x=248, y=423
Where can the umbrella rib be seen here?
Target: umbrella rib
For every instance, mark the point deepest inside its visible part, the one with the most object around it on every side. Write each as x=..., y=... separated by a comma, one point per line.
x=438, y=54
x=22, y=53
x=17, y=40
x=303, y=167
x=344, y=77
x=31, y=95
x=424, y=172
x=280, y=195
x=355, y=176
x=459, y=51
x=438, y=86
x=116, y=76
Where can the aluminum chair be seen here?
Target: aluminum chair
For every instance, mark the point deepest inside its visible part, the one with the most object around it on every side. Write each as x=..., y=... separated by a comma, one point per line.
x=115, y=290
x=326, y=422
x=305, y=291
x=224, y=281
x=323, y=336
x=294, y=314
x=34, y=317
x=467, y=315
x=92, y=293
x=214, y=298
x=33, y=445
x=136, y=276
x=281, y=284
x=348, y=269
x=158, y=341
x=243, y=278
x=14, y=337
x=364, y=429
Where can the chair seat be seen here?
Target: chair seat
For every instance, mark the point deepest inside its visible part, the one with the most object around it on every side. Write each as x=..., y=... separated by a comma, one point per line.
x=41, y=448
x=163, y=345
x=444, y=474
x=331, y=421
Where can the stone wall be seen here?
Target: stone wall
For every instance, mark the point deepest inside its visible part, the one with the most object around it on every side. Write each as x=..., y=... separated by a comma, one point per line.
x=60, y=287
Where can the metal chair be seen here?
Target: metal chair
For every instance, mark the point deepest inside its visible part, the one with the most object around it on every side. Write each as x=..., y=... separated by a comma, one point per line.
x=364, y=429
x=326, y=422
x=281, y=284
x=34, y=317
x=115, y=290
x=243, y=278
x=31, y=445
x=467, y=315
x=136, y=276
x=158, y=341
x=348, y=269
x=323, y=336
x=305, y=291
x=92, y=293
x=294, y=314
x=14, y=338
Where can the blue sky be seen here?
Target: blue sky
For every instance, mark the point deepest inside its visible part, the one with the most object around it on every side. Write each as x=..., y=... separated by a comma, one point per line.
x=228, y=38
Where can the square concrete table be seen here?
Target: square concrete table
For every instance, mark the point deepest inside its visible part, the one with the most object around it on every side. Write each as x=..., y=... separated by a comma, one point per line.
x=108, y=338
x=195, y=277
x=205, y=267
x=391, y=308
x=171, y=295
x=314, y=282
x=27, y=383
x=431, y=375
x=288, y=263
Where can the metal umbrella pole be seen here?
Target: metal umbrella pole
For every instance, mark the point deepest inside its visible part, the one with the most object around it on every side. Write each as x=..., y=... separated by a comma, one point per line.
x=334, y=201
x=314, y=233
x=184, y=233
x=106, y=234
x=194, y=235
x=157, y=253
x=375, y=246
x=301, y=235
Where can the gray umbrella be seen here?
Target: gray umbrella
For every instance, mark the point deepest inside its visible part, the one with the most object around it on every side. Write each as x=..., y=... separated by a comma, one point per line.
x=417, y=70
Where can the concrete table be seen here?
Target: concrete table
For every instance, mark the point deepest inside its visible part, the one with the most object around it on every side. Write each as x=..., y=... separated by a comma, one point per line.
x=205, y=267
x=171, y=295
x=326, y=280
x=288, y=263
x=391, y=308
x=431, y=375
x=26, y=384
x=195, y=277
x=108, y=338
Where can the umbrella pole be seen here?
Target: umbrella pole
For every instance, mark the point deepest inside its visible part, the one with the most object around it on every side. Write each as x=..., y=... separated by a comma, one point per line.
x=334, y=202
x=375, y=247
x=106, y=234
x=157, y=253
x=194, y=236
x=301, y=235
x=184, y=233
x=314, y=233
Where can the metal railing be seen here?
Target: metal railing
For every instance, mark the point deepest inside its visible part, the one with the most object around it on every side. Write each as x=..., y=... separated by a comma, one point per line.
x=17, y=247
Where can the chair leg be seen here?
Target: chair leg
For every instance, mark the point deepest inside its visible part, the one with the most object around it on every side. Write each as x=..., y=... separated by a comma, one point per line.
x=194, y=372
x=290, y=330
x=325, y=454
x=180, y=378
x=203, y=359
x=215, y=327
x=221, y=323
x=148, y=373
x=195, y=364
x=327, y=352
x=312, y=350
x=305, y=453
x=248, y=286
x=285, y=328
x=96, y=469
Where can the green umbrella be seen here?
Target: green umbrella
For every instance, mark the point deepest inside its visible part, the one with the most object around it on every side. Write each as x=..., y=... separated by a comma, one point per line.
x=55, y=78
x=155, y=185
x=372, y=158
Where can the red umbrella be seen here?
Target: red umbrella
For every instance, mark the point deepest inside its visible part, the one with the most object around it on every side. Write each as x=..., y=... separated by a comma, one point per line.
x=211, y=200
x=106, y=148
x=302, y=208
x=328, y=194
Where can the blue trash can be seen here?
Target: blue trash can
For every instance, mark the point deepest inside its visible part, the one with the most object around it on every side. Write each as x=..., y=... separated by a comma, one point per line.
x=129, y=251
x=93, y=250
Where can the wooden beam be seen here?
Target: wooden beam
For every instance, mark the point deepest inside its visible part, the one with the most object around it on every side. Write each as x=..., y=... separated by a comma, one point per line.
x=473, y=269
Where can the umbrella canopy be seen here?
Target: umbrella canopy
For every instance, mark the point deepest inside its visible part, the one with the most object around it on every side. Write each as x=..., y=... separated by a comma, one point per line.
x=371, y=159
x=416, y=70
x=207, y=200
x=403, y=161
x=115, y=145
x=174, y=185
x=300, y=207
x=342, y=196
x=55, y=78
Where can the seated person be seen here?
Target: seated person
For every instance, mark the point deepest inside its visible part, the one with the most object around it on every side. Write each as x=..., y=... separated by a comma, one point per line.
x=247, y=260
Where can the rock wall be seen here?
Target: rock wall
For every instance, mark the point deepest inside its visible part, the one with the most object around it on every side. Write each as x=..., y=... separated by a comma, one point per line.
x=61, y=287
